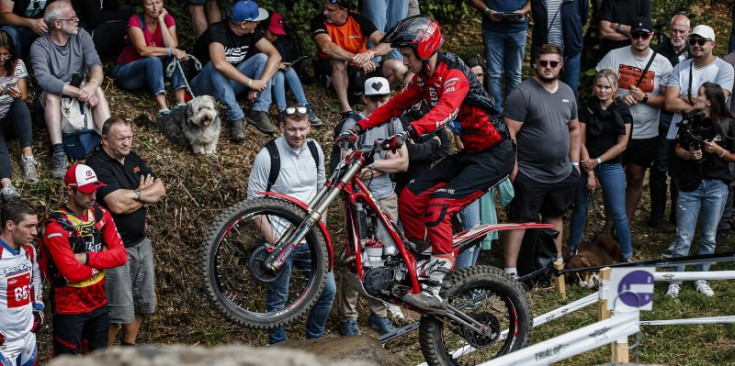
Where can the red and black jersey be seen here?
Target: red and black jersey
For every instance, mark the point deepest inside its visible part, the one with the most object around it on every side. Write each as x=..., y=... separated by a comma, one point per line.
x=84, y=290
x=453, y=92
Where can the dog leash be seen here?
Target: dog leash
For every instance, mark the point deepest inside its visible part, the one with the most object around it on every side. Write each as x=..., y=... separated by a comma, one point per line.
x=177, y=64
x=670, y=262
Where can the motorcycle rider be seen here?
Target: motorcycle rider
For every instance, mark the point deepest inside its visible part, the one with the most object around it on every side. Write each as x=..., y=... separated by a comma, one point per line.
x=456, y=96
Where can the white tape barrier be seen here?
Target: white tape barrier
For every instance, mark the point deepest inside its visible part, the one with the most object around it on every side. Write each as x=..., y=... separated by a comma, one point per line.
x=692, y=276
x=582, y=303
x=690, y=321
x=570, y=344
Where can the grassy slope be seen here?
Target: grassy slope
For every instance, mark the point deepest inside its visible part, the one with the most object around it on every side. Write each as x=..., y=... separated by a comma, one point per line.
x=199, y=190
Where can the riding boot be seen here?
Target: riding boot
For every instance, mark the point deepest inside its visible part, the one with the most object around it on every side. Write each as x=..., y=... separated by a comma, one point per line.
x=658, y=198
x=438, y=271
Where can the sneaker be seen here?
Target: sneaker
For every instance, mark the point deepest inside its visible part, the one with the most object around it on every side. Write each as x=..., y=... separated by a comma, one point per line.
x=427, y=299
x=59, y=163
x=30, y=174
x=237, y=131
x=673, y=291
x=381, y=324
x=349, y=328
x=260, y=120
x=281, y=113
x=396, y=312
x=703, y=287
x=9, y=192
x=164, y=112
x=315, y=121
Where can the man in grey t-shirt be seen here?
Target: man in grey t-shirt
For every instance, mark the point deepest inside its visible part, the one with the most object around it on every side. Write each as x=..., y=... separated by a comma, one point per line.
x=541, y=114
x=56, y=56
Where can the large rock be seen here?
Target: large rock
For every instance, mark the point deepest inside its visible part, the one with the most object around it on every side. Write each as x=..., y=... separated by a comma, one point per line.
x=357, y=348
x=232, y=355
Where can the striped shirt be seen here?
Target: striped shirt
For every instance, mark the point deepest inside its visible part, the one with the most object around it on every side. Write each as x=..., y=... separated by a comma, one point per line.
x=555, y=35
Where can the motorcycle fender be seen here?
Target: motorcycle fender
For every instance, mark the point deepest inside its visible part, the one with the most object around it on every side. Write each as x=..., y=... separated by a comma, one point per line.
x=305, y=207
x=481, y=230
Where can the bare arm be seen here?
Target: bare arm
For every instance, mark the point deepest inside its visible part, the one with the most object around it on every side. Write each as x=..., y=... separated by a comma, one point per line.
x=7, y=17
x=168, y=34
x=674, y=103
x=274, y=59
x=125, y=201
x=217, y=56
x=608, y=31
x=381, y=49
x=574, y=140
x=513, y=128
x=331, y=49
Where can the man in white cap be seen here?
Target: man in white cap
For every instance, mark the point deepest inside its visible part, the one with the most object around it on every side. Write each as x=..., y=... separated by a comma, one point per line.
x=225, y=49
x=80, y=242
x=377, y=177
x=684, y=83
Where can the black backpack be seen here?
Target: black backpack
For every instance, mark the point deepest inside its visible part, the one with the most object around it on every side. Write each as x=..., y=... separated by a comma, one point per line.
x=276, y=160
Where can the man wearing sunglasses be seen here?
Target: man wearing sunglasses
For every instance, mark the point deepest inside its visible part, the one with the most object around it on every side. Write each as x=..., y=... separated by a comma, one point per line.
x=642, y=78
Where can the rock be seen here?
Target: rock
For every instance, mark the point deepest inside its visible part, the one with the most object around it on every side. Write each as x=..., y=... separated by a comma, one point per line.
x=231, y=355
x=358, y=348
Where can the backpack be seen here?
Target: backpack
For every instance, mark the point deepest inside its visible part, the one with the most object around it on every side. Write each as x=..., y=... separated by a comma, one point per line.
x=76, y=242
x=336, y=155
x=276, y=160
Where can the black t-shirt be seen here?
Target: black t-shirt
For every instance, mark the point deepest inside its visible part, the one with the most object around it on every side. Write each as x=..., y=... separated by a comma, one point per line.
x=237, y=48
x=691, y=173
x=116, y=176
x=622, y=12
x=599, y=140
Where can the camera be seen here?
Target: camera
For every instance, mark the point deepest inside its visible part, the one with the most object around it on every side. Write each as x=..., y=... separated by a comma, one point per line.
x=696, y=128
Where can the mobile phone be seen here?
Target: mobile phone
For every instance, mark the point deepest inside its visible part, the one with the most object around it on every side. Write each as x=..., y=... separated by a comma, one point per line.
x=513, y=16
x=76, y=80
x=11, y=84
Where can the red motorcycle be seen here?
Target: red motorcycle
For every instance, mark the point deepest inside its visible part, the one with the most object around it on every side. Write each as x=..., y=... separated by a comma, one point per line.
x=246, y=248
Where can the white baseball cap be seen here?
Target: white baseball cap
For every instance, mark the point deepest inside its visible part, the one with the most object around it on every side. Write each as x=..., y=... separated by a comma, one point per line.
x=83, y=178
x=377, y=86
x=704, y=31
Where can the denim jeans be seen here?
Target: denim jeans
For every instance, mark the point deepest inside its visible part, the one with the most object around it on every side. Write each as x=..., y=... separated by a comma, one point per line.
x=570, y=73
x=147, y=71
x=290, y=77
x=22, y=38
x=209, y=81
x=384, y=14
x=470, y=217
x=709, y=198
x=612, y=182
x=277, y=295
x=504, y=53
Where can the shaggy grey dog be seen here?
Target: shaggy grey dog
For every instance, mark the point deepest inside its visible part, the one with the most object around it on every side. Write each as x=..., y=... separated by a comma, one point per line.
x=197, y=126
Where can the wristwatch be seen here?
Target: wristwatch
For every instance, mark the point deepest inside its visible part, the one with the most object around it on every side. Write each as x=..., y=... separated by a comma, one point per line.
x=138, y=193
x=619, y=28
x=645, y=98
x=372, y=166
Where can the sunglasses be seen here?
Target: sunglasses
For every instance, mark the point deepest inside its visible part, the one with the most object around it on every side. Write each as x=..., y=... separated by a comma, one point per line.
x=699, y=41
x=552, y=64
x=641, y=35
x=292, y=110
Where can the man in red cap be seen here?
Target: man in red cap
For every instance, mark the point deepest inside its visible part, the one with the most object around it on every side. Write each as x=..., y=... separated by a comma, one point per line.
x=79, y=243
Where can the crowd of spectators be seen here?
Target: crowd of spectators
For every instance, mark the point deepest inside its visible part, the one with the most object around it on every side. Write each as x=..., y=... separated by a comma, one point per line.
x=99, y=260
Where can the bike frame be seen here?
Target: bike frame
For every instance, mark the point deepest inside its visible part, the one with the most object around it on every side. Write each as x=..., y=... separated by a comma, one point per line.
x=345, y=181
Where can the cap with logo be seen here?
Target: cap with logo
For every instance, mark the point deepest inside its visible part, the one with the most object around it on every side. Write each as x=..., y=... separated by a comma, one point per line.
x=83, y=178
x=703, y=31
x=641, y=24
x=248, y=11
x=377, y=86
x=277, y=24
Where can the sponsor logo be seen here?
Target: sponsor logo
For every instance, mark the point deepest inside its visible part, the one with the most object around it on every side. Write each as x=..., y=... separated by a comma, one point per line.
x=53, y=235
x=564, y=100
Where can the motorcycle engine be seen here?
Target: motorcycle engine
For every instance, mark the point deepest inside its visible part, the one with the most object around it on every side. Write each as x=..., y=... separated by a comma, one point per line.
x=378, y=281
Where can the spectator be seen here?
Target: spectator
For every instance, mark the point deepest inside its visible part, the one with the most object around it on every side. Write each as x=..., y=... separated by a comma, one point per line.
x=605, y=130
x=23, y=21
x=81, y=241
x=341, y=38
x=676, y=50
x=384, y=14
x=300, y=177
x=616, y=20
x=227, y=51
x=377, y=177
x=21, y=291
x=428, y=203
x=56, y=56
x=504, y=37
x=728, y=216
x=642, y=78
x=286, y=74
x=203, y=14
x=153, y=46
x=478, y=66
x=131, y=187
x=703, y=178
x=413, y=8
x=560, y=23
x=14, y=116
x=106, y=21
x=541, y=114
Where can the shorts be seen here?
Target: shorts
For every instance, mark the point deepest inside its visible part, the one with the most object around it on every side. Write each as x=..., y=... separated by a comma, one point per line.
x=200, y=2
x=130, y=288
x=641, y=152
x=70, y=329
x=21, y=351
x=548, y=199
x=356, y=84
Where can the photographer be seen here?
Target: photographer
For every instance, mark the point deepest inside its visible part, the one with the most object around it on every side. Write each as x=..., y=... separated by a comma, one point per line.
x=704, y=148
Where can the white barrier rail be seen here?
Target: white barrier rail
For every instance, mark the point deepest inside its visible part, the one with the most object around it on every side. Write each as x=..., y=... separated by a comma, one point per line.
x=573, y=343
x=692, y=276
x=690, y=321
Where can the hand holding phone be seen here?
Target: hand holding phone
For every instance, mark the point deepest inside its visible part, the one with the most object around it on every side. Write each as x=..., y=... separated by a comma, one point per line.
x=76, y=80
